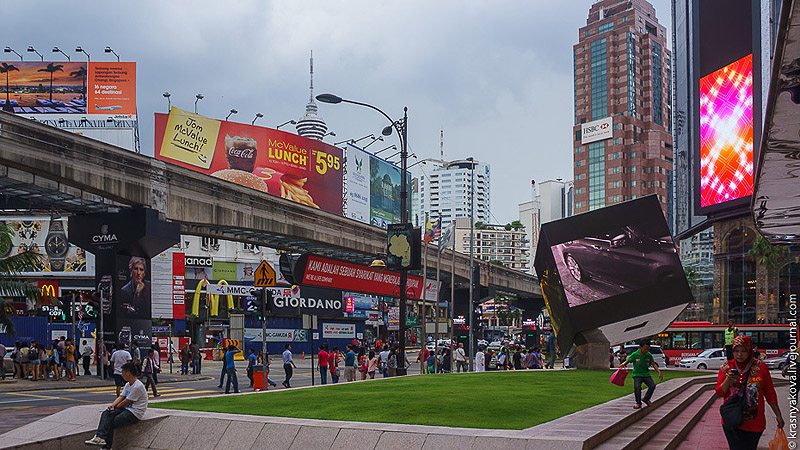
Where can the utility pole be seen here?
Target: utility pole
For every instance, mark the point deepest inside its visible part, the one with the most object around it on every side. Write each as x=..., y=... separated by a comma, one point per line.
x=265, y=296
x=471, y=251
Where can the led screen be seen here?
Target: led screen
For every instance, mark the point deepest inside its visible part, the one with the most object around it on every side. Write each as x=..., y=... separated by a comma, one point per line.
x=726, y=133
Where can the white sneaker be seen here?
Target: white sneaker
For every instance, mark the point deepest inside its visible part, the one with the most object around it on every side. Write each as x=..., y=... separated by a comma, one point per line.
x=98, y=441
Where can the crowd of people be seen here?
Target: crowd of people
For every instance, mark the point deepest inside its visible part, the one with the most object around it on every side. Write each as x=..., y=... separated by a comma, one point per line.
x=35, y=362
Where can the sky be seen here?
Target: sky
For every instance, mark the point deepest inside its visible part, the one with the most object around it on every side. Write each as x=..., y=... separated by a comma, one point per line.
x=496, y=76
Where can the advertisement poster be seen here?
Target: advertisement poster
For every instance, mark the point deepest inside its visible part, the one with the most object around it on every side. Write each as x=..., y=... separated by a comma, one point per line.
x=302, y=170
x=394, y=318
x=48, y=238
x=133, y=304
x=373, y=188
x=338, y=330
x=276, y=335
x=318, y=271
x=65, y=87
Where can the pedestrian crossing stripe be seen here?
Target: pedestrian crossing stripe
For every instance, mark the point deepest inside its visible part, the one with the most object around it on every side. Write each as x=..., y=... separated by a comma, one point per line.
x=110, y=389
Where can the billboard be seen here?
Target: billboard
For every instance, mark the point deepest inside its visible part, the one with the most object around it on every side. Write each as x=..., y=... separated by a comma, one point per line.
x=302, y=170
x=64, y=87
x=373, y=188
x=48, y=238
x=597, y=130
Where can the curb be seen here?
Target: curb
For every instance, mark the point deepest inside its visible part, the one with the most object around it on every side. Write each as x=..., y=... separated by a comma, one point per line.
x=49, y=385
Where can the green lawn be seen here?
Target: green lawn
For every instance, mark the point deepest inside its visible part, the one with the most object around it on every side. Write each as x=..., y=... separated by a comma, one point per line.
x=510, y=400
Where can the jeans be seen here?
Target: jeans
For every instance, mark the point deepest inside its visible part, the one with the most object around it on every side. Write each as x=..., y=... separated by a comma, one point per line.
x=637, y=388
x=232, y=377
x=323, y=374
x=222, y=375
x=87, y=360
x=195, y=366
x=742, y=440
x=288, y=369
x=184, y=367
x=111, y=420
x=148, y=380
x=552, y=360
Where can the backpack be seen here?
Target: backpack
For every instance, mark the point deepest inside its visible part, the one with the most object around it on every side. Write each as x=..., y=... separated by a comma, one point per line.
x=33, y=354
x=61, y=355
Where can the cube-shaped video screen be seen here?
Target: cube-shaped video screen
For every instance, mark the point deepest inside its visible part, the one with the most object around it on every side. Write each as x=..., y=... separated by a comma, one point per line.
x=615, y=269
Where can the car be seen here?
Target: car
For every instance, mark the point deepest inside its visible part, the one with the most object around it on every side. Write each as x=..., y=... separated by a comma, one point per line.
x=494, y=345
x=623, y=257
x=442, y=343
x=483, y=343
x=658, y=355
x=430, y=346
x=776, y=362
x=8, y=366
x=712, y=358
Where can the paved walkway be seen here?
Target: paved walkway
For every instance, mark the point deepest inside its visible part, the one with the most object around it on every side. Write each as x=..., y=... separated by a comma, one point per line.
x=19, y=385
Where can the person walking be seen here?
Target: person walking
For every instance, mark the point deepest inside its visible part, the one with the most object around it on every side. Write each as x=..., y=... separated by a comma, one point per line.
x=261, y=359
x=150, y=368
x=185, y=357
x=517, y=358
x=747, y=376
x=460, y=358
x=551, y=350
x=106, y=362
x=372, y=364
x=69, y=350
x=730, y=334
x=642, y=360
x=251, y=361
x=501, y=359
x=333, y=364
x=87, y=351
x=171, y=351
x=384, y=359
x=136, y=354
x=288, y=365
x=127, y=409
x=230, y=365
x=480, y=360
x=222, y=374
x=322, y=364
x=350, y=365
x=33, y=360
x=120, y=358
x=194, y=349
x=391, y=363
x=24, y=362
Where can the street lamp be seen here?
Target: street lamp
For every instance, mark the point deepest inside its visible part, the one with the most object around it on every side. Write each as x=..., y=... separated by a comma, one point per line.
x=198, y=97
x=293, y=122
x=33, y=50
x=387, y=148
x=401, y=126
x=374, y=140
x=471, y=261
x=233, y=111
x=79, y=49
x=110, y=50
x=58, y=50
x=329, y=133
x=258, y=116
x=11, y=50
x=169, y=102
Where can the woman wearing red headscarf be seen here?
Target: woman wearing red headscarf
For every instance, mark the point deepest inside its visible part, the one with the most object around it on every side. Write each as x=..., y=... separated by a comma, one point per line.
x=732, y=378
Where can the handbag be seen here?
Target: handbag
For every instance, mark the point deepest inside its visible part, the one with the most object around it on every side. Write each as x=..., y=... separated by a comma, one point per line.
x=337, y=372
x=618, y=377
x=779, y=442
x=732, y=411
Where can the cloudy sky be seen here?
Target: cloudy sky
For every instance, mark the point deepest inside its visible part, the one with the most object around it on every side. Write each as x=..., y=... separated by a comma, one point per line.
x=495, y=76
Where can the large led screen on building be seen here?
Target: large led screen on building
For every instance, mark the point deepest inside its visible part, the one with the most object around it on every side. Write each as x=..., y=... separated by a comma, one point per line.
x=373, y=188
x=726, y=133
x=306, y=171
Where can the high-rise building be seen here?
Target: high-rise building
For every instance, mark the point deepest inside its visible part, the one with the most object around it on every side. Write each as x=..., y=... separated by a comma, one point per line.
x=622, y=84
x=311, y=125
x=445, y=191
x=494, y=243
x=550, y=200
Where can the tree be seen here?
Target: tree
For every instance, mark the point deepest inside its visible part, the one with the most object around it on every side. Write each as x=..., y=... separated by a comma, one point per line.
x=766, y=253
x=6, y=68
x=506, y=314
x=517, y=225
x=496, y=262
x=767, y=257
x=692, y=277
x=9, y=267
x=82, y=74
x=52, y=69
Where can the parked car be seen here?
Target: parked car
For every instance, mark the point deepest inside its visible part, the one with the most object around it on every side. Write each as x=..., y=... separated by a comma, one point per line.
x=712, y=358
x=624, y=257
x=8, y=365
x=777, y=362
x=658, y=355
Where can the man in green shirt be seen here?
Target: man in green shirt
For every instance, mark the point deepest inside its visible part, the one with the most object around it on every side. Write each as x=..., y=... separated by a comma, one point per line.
x=642, y=360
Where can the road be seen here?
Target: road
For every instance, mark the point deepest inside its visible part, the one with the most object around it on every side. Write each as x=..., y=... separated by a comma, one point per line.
x=25, y=406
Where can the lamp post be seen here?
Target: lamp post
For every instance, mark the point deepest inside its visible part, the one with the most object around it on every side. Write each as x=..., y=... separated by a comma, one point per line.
x=11, y=50
x=232, y=111
x=293, y=122
x=401, y=126
x=329, y=133
x=33, y=50
x=471, y=262
x=169, y=102
x=197, y=97
x=110, y=50
x=258, y=116
x=80, y=49
x=58, y=50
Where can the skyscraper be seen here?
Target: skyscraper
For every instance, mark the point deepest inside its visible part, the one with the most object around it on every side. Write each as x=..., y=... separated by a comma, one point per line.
x=311, y=125
x=445, y=191
x=622, y=84
x=550, y=200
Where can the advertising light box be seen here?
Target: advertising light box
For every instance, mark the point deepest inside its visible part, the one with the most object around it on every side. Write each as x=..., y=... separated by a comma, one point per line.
x=597, y=130
x=615, y=269
x=373, y=188
x=305, y=171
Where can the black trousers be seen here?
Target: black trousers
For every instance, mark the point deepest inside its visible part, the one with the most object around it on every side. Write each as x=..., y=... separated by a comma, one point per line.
x=742, y=440
x=87, y=360
x=729, y=352
x=111, y=420
x=288, y=369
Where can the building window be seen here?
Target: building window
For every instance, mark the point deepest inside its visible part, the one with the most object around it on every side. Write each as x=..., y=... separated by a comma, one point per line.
x=597, y=194
x=588, y=32
x=616, y=141
x=616, y=199
x=633, y=183
x=578, y=205
x=577, y=149
x=605, y=27
x=633, y=169
x=577, y=163
x=599, y=79
x=657, y=106
x=624, y=19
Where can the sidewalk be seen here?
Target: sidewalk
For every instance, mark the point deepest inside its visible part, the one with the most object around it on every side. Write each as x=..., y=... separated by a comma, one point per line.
x=18, y=385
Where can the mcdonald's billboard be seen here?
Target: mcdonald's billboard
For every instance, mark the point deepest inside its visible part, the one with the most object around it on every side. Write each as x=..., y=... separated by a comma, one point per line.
x=49, y=288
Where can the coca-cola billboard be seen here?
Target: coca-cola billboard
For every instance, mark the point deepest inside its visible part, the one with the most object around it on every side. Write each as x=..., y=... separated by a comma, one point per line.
x=306, y=171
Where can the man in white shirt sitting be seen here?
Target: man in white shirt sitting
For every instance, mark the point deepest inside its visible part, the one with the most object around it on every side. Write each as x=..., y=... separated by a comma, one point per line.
x=126, y=410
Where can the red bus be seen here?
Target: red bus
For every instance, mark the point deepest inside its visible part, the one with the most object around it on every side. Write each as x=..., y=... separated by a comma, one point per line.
x=687, y=339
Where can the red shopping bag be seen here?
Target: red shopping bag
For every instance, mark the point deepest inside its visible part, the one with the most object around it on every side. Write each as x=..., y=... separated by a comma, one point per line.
x=779, y=442
x=618, y=377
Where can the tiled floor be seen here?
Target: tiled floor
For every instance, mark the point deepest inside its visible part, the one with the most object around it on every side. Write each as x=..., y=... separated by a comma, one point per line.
x=22, y=417
x=707, y=434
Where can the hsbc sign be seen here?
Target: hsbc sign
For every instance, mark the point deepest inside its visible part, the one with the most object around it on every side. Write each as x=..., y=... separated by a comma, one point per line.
x=597, y=130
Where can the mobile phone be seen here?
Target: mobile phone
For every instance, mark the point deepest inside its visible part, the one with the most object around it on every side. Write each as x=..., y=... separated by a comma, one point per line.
x=734, y=372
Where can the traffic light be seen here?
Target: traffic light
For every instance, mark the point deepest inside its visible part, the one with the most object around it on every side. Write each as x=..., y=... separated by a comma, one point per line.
x=256, y=304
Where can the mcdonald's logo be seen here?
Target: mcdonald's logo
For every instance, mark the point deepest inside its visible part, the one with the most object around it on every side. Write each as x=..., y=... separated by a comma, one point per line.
x=49, y=288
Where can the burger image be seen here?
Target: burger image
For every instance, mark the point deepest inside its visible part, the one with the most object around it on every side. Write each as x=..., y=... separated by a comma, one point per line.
x=242, y=178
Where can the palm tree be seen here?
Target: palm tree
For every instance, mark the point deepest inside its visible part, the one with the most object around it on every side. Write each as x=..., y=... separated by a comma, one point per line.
x=52, y=69
x=8, y=285
x=6, y=68
x=767, y=257
x=81, y=73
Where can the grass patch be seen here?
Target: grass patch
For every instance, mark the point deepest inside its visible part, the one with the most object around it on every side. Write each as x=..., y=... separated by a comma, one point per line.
x=508, y=400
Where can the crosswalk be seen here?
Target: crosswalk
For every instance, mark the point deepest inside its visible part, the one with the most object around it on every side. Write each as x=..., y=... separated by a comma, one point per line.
x=164, y=391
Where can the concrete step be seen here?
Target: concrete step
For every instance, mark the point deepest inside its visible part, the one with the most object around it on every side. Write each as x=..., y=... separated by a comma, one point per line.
x=659, y=416
x=671, y=436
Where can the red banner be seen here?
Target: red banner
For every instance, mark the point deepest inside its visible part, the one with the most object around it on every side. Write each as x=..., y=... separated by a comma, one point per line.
x=334, y=274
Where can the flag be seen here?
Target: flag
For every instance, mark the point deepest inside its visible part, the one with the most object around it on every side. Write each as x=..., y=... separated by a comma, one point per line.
x=80, y=306
x=429, y=233
x=448, y=238
x=436, y=225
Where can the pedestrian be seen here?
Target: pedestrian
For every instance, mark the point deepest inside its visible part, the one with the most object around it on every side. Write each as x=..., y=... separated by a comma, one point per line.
x=322, y=364
x=530, y=360
x=136, y=354
x=185, y=357
x=730, y=334
x=230, y=365
x=170, y=352
x=489, y=356
x=333, y=364
x=53, y=361
x=745, y=372
x=149, y=368
x=391, y=362
x=16, y=356
x=551, y=350
x=127, y=409
x=431, y=362
x=33, y=359
x=87, y=351
x=501, y=359
x=120, y=358
x=642, y=360
x=157, y=356
x=460, y=358
x=2, y=357
x=194, y=349
x=480, y=360
x=517, y=358
x=384, y=357
x=222, y=374
x=350, y=365
x=372, y=365
x=447, y=361
x=260, y=359
x=288, y=365
x=422, y=357
x=69, y=350
x=106, y=362
x=24, y=362
x=251, y=361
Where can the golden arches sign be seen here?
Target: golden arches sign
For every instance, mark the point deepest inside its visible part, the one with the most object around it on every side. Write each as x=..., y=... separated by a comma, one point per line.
x=213, y=299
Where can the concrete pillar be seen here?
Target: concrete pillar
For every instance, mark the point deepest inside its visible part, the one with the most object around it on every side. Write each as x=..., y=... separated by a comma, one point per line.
x=158, y=186
x=592, y=354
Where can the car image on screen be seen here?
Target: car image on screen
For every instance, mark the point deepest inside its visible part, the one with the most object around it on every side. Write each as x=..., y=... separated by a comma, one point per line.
x=621, y=260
